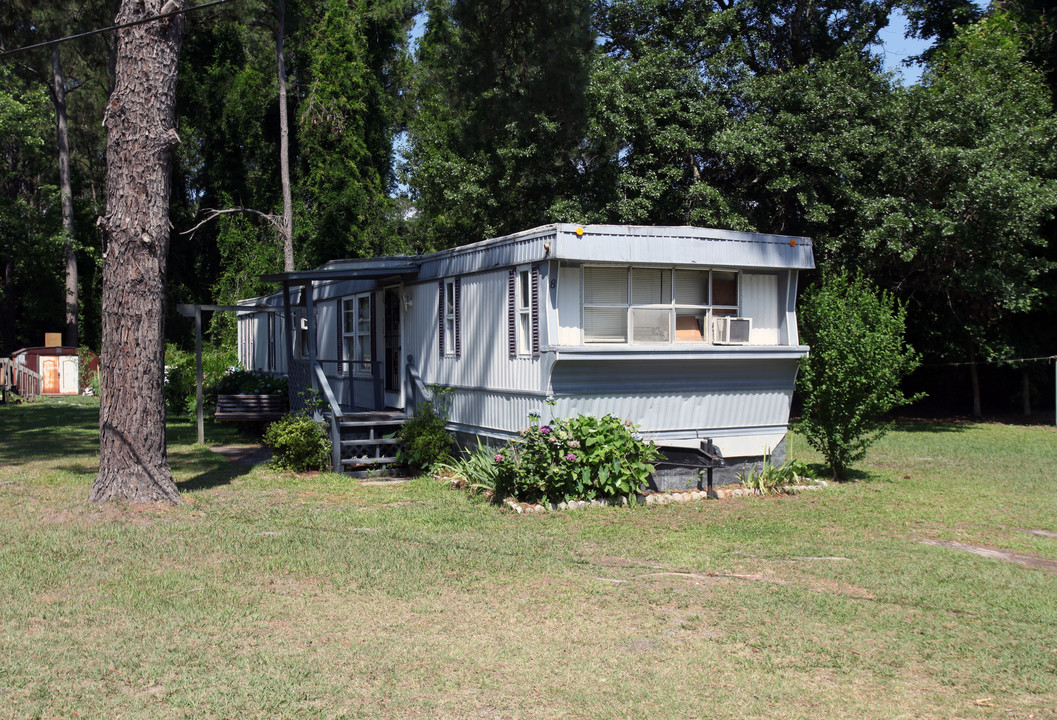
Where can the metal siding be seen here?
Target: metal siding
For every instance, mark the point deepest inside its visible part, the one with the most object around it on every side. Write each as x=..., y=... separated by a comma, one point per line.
x=792, y=331
x=259, y=342
x=688, y=412
x=568, y=306
x=521, y=249
x=705, y=375
x=683, y=246
x=759, y=301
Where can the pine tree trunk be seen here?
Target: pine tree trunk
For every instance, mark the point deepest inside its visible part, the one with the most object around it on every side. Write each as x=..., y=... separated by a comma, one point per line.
x=1025, y=385
x=974, y=376
x=8, y=345
x=284, y=144
x=140, y=139
x=69, y=334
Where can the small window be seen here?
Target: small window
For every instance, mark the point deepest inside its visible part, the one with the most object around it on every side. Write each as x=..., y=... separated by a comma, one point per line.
x=523, y=323
x=356, y=340
x=450, y=322
x=524, y=313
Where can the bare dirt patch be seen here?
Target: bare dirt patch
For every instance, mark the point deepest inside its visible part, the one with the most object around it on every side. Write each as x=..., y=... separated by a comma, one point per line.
x=1041, y=533
x=997, y=554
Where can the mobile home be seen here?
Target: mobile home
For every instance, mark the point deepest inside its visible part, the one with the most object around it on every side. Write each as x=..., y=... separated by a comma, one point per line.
x=688, y=332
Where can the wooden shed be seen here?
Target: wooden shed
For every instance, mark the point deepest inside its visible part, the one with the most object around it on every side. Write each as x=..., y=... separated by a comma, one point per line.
x=59, y=368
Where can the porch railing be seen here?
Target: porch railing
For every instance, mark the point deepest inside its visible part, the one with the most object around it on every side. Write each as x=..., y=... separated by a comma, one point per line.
x=16, y=376
x=336, y=415
x=419, y=392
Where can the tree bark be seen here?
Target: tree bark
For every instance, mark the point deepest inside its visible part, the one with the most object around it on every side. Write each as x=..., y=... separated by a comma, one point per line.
x=140, y=120
x=287, y=231
x=58, y=96
x=8, y=344
x=974, y=376
x=1025, y=389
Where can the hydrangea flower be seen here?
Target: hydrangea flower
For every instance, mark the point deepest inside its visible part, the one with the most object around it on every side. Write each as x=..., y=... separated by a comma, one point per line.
x=498, y=458
x=574, y=444
x=546, y=429
x=570, y=457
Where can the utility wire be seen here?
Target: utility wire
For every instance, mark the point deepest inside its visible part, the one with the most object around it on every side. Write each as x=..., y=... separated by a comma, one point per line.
x=993, y=362
x=142, y=21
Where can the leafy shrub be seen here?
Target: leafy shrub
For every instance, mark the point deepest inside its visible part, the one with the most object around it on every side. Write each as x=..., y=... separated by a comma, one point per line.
x=851, y=378
x=179, y=378
x=298, y=443
x=426, y=440
x=577, y=458
x=476, y=470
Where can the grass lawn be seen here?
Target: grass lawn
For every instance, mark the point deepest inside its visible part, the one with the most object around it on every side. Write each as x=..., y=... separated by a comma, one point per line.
x=273, y=596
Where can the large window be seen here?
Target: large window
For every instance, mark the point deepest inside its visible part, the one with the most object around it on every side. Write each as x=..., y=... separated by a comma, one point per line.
x=655, y=305
x=356, y=335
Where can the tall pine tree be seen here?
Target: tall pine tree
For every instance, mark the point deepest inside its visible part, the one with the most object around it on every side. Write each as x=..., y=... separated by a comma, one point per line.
x=500, y=94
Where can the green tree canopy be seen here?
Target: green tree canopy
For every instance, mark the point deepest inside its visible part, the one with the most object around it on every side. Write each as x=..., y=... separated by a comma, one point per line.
x=499, y=95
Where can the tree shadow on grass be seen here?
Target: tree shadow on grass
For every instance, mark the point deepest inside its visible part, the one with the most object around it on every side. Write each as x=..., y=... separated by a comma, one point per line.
x=186, y=433
x=921, y=425
x=42, y=431
x=224, y=472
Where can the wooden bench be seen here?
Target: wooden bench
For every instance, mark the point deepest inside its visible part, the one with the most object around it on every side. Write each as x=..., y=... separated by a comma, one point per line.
x=250, y=408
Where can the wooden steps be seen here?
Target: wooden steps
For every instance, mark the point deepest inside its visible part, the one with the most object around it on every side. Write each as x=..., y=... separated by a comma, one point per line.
x=367, y=442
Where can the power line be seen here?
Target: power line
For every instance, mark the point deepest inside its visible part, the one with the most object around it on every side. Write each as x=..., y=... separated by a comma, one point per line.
x=143, y=21
x=1009, y=361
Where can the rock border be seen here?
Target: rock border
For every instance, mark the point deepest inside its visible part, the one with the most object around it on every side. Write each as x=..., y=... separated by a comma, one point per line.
x=653, y=498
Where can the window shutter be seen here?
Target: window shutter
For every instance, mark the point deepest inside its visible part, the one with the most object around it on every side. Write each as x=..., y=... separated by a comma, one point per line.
x=458, y=317
x=511, y=312
x=440, y=316
x=341, y=337
x=535, y=310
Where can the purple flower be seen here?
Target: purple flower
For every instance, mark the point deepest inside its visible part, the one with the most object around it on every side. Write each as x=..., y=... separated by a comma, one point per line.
x=570, y=457
x=545, y=429
x=498, y=458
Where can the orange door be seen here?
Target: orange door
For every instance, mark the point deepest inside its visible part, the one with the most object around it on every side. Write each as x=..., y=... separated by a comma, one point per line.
x=49, y=370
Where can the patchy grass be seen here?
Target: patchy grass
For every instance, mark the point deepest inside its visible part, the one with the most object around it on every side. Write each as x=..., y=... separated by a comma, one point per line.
x=271, y=595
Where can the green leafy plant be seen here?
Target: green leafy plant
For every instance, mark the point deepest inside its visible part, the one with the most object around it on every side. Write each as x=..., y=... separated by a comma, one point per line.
x=766, y=477
x=298, y=443
x=851, y=378
x=426, y=441
x=584, y=457
x=476, y=469
x=179, y=379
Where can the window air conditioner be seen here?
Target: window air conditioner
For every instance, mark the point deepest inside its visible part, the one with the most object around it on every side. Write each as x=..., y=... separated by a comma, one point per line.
x=731, y=330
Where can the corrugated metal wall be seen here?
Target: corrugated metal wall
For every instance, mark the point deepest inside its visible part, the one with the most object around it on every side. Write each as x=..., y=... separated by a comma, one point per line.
x=491, y=389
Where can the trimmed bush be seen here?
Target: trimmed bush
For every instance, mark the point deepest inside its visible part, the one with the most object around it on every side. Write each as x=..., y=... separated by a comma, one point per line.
x=298, y=443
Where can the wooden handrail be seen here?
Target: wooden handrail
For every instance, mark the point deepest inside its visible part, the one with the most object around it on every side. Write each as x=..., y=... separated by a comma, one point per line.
x=335, y=416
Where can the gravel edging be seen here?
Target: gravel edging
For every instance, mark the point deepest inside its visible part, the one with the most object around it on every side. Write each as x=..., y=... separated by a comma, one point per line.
x=653, y=498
